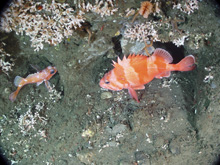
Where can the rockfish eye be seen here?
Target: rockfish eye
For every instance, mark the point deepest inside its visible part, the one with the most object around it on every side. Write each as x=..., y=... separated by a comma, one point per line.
x=52, y=71
x=107, y=82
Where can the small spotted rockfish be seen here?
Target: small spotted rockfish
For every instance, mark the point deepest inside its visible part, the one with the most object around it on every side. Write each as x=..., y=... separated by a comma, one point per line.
x=136, y=70
x=39, y=77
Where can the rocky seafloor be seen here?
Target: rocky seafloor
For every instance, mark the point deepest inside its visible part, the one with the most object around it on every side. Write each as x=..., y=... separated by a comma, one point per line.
x=176, y=121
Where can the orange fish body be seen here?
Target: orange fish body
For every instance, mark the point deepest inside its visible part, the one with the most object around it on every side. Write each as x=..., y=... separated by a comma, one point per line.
x=39, y=77
x=136, y=70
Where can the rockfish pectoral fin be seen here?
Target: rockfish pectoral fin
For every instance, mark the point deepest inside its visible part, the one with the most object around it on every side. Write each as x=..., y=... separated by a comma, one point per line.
x=133, y=94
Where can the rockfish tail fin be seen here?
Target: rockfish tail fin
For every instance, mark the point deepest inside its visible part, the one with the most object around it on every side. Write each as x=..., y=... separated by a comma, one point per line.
x=13, y=96
x=186, y=64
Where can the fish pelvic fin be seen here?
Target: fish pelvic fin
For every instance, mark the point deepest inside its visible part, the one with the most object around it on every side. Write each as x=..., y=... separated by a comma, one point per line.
x=186, y=64
x=133, y=94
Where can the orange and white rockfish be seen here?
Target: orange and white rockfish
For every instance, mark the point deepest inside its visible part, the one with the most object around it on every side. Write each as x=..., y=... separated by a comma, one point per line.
x=136, y=70
x=39, y=77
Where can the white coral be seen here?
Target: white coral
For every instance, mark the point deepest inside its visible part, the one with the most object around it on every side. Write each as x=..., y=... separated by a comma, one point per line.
x=180, y=41
x=100, y=7
x=50, y=24
x=5, y=66
x=188, y=7
x=142, y=32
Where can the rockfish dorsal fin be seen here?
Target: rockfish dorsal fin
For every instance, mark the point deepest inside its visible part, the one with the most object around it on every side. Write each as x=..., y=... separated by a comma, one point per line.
x=137, y=58
x=164, y=55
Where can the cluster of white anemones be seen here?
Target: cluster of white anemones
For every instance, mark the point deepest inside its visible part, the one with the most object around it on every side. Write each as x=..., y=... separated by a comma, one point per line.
x=142, y=32
x=43, y=22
